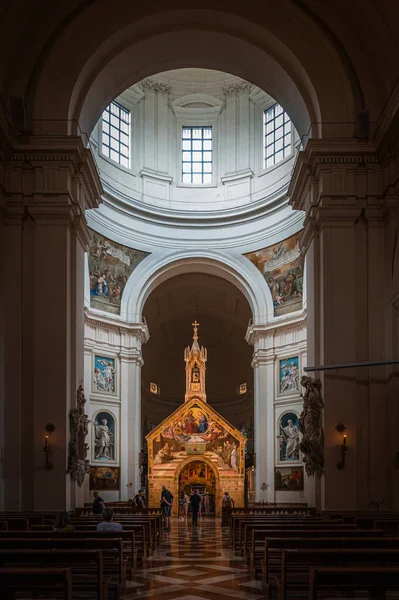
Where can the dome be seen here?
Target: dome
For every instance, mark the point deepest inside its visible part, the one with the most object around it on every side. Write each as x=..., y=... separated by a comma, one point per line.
x=189, y=149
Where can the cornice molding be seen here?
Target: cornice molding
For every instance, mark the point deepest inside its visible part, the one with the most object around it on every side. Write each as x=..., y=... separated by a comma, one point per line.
x=256, y=332
x=330, y=156
x=139, y=329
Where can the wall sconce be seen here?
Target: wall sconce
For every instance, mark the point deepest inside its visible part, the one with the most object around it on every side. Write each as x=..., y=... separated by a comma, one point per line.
x=46, y=448
x=343, y=448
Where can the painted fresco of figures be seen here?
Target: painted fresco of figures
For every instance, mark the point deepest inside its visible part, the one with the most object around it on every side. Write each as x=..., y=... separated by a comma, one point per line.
x=193, y=428
x=110, y=266
x=104, y=435
x=289, y=436
x=282, y=267
x=289, y=375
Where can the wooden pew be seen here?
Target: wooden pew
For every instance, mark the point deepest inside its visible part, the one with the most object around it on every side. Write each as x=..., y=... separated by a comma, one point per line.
x=257, y=547
x=376, y=580
x=36, y=581
x=273, y=548
x=249, y=541
x=238, y=524
x=86, y=566
x=134, y=540
x=296, y=564
x=114, y=563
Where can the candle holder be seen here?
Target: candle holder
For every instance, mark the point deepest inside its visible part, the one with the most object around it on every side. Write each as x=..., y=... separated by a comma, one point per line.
x=46, y=448
x=343, y=448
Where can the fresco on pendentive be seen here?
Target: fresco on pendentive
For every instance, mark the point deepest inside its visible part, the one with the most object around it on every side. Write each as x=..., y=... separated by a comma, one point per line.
x=195, y=432
x=110, y=266
x=282, y=267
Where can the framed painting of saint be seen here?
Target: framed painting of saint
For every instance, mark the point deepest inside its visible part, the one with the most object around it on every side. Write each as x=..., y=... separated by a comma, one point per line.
x=104, y=375
x=288, y=376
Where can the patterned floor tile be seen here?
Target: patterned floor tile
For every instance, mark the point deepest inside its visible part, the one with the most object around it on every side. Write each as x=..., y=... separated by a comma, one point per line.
x=194, y=563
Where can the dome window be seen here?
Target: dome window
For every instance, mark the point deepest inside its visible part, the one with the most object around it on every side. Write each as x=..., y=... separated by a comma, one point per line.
x=115, y=134
x=277, y=135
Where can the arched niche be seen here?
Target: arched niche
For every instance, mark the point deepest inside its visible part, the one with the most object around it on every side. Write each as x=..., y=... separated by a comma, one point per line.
x=104, y=437
x=130, y=43
x=201, y=458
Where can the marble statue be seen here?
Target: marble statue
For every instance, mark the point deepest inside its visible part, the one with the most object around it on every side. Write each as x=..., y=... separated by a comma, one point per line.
x=103, y=439
x=291, y=437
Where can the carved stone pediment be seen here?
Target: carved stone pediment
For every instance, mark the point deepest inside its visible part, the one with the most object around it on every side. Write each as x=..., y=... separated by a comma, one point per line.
x=78, y=464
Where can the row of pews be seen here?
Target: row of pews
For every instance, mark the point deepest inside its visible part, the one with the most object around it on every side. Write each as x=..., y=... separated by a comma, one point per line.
x=304, y=554
x=87, y=562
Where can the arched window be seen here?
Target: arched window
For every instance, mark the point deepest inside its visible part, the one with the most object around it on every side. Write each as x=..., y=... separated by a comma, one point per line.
x=115, y=139
x=277, y=135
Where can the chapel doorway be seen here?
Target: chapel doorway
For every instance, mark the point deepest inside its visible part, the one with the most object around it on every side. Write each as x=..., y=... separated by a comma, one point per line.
x=197, y=474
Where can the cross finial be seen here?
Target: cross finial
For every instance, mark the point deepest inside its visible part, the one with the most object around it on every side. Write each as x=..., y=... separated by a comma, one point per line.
x=195, y=325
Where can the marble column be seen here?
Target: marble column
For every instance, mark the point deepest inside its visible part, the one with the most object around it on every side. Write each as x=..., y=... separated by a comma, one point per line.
x=131, y=361
x=263, y=366
x=49, y=183
x=339, y=185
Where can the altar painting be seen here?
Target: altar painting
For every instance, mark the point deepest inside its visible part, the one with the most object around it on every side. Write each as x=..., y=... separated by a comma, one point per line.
x=282, y=267
x=196, y=431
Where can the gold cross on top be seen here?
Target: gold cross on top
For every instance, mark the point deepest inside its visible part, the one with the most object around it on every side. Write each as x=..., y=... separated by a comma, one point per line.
x=195, y=325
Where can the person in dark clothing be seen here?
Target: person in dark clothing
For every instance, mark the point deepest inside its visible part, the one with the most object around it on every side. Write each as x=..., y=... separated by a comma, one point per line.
x=98, y=504
x=138, y=500
x=166, y=505
x=195, y=501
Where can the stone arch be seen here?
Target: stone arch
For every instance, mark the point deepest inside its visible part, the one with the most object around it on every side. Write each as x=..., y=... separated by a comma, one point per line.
x=130, y=43
x=237, y=270
x=210, y=464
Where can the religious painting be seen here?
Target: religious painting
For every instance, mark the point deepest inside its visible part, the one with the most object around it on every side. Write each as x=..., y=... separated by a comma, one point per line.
x=195, y=431
x=288, y=437
x=282, y=267
x=104, y=377
x=110, y=266
x=105, y=479
x=288, y=377
x=288, y=479
x=104, y=437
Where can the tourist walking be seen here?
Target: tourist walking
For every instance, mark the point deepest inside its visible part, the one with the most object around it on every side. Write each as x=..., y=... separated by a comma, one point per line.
x=195, y=501
x=166, y=505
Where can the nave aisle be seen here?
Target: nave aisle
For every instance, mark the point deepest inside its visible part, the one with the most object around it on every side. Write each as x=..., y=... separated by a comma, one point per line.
x=195, y=564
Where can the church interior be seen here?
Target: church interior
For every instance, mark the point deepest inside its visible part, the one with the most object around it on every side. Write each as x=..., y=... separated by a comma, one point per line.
x=199, y=324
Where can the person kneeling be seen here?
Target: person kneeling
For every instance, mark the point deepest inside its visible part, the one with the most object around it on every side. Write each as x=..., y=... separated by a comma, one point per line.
x=108, y=524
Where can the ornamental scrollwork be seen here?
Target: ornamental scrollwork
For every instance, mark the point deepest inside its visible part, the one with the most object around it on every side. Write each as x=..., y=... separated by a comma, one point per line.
x=78, y=464
x=311, y=427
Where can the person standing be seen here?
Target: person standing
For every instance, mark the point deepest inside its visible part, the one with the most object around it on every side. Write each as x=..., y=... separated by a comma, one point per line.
x=182, y=504
x=98, y=504
x=166, y=504
x=138, y=500
x=227, y=506
x=206, y=502
x=195, y=501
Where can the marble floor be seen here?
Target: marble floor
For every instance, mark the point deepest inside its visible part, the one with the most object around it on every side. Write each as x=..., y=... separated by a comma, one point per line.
x=194, y=563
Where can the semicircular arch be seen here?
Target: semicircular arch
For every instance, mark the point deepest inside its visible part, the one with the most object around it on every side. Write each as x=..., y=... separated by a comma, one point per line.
x=237, y=270
x=133, y=44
